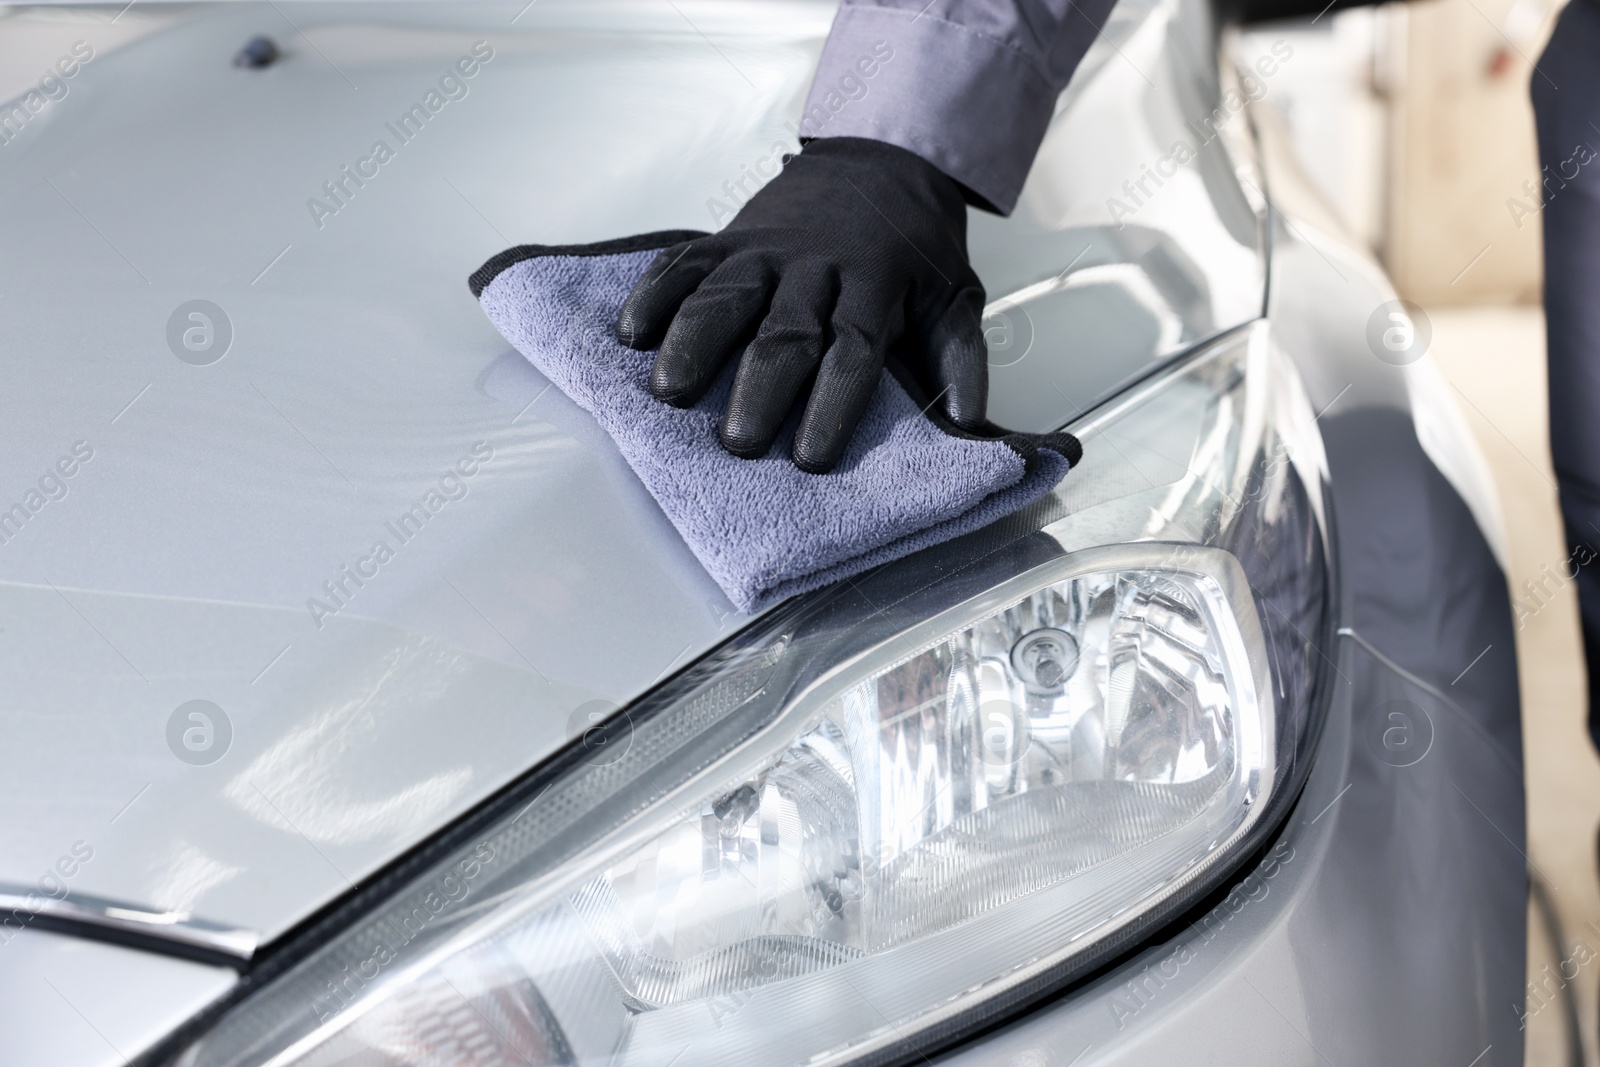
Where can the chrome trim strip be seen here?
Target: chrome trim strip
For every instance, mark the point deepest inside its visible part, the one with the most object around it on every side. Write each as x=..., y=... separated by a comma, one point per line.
x=21, y=906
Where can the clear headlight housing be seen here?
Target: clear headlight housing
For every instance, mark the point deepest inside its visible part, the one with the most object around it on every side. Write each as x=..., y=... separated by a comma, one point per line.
x=889, y=811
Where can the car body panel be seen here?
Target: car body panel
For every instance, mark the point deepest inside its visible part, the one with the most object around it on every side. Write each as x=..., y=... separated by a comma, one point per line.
x=1376, y=930
x=69, y=1001
x=1386, y=923
x=213, y=505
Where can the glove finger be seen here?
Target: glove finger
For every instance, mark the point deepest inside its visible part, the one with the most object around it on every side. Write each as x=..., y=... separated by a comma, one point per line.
x=675, y=273
x=864, y=325
x=711, y=326
x=959, y=360
x=780, y=361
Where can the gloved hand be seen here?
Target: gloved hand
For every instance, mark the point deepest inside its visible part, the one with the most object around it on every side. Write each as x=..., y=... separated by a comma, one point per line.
x=857, y=247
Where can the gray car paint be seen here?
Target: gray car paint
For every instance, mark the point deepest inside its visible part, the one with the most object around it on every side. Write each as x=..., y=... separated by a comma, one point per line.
x=1386, y=925
x=185, y=558
x=1441, y=898
x=72, y=1002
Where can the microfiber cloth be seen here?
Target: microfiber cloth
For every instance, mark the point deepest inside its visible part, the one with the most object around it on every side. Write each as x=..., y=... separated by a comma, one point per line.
x=764, y=529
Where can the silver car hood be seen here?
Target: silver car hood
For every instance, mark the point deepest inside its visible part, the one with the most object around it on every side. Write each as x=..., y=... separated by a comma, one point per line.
x=203, y=547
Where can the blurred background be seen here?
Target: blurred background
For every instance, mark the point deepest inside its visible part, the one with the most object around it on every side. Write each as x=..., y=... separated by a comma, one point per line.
x=1414, y=124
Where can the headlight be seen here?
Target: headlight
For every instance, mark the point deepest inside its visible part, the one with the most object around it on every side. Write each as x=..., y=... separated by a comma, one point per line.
x=888, y=811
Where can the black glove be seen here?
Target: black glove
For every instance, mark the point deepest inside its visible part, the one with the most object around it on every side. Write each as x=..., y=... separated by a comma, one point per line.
x=856, y=248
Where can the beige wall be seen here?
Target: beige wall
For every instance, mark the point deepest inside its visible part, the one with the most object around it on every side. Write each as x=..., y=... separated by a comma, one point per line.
x=1460, y=148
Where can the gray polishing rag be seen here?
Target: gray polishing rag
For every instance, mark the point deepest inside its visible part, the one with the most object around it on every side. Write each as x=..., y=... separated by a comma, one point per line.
x=764, y=529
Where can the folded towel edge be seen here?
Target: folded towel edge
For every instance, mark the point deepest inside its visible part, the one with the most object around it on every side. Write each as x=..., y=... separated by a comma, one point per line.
x=1040, y=477
x=492, y=267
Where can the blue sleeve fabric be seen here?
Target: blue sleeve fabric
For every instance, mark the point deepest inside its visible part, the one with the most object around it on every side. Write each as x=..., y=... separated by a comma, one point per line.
x=968, y=85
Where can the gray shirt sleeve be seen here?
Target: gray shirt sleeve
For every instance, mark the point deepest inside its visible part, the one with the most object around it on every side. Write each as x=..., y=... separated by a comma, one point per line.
x=968, y=85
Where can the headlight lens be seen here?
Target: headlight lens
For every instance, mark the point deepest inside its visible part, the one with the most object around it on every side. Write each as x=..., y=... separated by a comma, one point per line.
x=942, y=786
x=887, y=810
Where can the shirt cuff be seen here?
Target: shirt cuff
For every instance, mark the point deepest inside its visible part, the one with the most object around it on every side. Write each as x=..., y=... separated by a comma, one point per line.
x=968, y=103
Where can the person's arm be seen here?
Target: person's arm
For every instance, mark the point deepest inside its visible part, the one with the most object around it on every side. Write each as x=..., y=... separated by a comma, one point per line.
x=968, y=85
x=859, y=246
